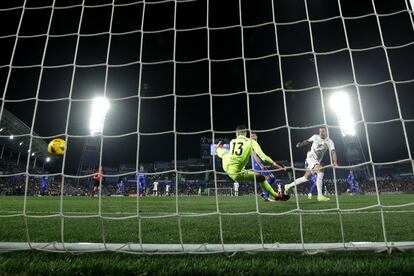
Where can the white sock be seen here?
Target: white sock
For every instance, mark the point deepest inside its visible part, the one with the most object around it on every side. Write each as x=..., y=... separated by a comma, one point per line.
x=319, y=183
x=297, y=182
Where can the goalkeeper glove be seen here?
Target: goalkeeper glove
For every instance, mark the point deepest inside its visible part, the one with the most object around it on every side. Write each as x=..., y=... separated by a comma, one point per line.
x=277, y=166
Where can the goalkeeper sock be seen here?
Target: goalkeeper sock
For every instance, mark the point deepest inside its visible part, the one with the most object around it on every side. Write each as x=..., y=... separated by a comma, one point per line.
x=319, y=183
x=296, y=182
x=266, y=187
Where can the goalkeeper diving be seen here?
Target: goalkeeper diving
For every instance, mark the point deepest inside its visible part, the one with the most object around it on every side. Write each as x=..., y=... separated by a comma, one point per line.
x=234, y=161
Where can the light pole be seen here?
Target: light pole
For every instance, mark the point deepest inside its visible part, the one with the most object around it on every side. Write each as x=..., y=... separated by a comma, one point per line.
x=90, y=153
x=340, y=104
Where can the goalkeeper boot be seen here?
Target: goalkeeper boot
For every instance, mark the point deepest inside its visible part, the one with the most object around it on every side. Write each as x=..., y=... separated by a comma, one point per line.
x=282, y=197
x=285, y=197
x=323, y=198
x=310, y=196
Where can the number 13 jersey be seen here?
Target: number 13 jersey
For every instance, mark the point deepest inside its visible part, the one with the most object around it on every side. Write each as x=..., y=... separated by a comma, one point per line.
x=240, y=149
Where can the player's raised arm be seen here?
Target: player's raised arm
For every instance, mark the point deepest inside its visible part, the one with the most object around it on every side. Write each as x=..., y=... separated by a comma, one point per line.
x=304, y=142
x=333, y=152
x=334, y=157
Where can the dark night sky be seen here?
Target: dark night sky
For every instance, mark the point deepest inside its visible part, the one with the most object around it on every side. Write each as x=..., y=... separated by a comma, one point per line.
x=227, y=76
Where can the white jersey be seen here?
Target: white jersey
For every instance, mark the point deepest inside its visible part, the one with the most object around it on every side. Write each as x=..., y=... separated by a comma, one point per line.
x=236, y=186
x=155, y=188
x=319, y=147
x=167, y=188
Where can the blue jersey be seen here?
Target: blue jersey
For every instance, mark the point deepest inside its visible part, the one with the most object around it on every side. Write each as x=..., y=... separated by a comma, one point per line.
x=141, y=177
x=351, y=179
x=259, y=166
x=353, y=185
x=43, y=184
x=141, y=181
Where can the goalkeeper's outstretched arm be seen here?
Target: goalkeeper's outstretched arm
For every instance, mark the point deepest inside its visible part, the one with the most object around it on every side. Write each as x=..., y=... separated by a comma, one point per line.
x=262, y=155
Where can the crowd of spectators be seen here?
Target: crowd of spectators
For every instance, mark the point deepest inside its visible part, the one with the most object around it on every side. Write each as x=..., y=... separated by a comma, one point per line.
x=16, y=185
x=188, y=184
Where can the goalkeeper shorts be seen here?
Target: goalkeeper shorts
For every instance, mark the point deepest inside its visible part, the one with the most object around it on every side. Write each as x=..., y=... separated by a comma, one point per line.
x=234, y=171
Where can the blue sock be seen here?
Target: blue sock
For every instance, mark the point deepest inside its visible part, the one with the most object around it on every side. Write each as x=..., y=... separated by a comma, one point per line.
x=265, y=194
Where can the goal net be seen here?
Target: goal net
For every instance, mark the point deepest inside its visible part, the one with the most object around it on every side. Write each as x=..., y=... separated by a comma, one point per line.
x=175, y=73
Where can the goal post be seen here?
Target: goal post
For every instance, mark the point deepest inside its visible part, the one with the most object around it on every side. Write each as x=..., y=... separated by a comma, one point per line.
x=262, y=219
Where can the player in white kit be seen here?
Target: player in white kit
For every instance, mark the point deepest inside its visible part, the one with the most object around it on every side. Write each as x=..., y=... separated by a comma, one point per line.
x=320, y=144
x=236, y=188
x=155, y=188
x=167, y=189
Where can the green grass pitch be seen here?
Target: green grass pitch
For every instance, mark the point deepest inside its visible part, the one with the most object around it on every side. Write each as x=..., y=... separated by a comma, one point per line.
x=119, y=224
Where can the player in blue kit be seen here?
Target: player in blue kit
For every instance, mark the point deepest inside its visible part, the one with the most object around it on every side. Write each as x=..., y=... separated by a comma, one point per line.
x=43, y=185
x=141, y=181
x=353, y=184
x=259, y=166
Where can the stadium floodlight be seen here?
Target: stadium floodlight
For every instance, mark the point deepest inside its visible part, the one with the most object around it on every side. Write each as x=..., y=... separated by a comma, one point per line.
x=48, y=159
x=340, y=104
x=99, y=109
x=11, y=137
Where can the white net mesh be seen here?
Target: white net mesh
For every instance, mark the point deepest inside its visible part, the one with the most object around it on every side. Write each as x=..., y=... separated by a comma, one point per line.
x=220, y=191
x=171, y=82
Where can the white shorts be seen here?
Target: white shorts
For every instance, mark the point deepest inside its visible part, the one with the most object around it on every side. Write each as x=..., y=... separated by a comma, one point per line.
x=311, y=163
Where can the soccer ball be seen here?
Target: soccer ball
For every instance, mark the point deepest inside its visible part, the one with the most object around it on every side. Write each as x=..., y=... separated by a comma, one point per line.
x=56, y=147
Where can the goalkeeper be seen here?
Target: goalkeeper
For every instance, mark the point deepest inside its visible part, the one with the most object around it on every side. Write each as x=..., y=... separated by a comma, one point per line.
x=235, y=160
